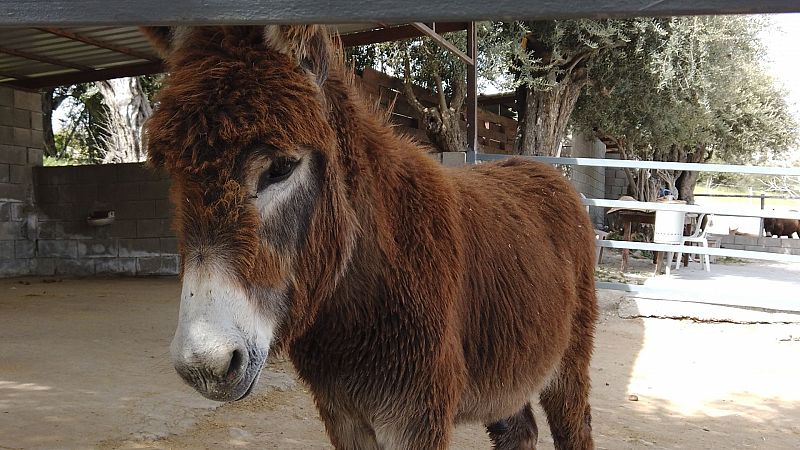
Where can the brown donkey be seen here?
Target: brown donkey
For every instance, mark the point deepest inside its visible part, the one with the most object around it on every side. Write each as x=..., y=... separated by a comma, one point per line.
x=409, y=297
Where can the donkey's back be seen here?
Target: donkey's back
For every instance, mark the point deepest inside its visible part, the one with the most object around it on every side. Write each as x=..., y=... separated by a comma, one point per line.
x=529, y=300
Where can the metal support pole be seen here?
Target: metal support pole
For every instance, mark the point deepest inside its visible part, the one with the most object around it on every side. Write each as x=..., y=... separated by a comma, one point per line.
x=472, y=95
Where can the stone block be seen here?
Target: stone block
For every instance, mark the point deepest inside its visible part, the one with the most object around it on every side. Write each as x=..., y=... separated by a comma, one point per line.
x=11, y=230
x=32, y=101
x=6, y=116
x=9, y=191
x=19, y=174
x=13, y=154
x=140, y=247
x=152, y=190
x=169, y=246
x=5, y=173
x=101, y=175
x=37, y=139
x=120, y=192
x=93, y=248
x=36, y=121
x=153, y=228
x=77, y=193
x=790, y=243
x=57, y=248
x=732, y=246
x=771, y=242
x=746, y=240
x=6, y=249
x=136, y=209
x=73, y=229
x=5, y=211
x=14, y=267
x=158, y=265
x=6, y=96
x=115, y=266
x=44, y=266
x=74, y=267
x=454, y=159
x=780, y=250
x=6, y=135
x=136, y=172
x=22, y=137
x=164, y=209
x=24, y=249
x=35, y=156
x=46, y=193
x=121, y=229
x=21, y=118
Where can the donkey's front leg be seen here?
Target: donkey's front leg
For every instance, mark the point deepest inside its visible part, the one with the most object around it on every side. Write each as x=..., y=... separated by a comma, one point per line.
x=347, y=431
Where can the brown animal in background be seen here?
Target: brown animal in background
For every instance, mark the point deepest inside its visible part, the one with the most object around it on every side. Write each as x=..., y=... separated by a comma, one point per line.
x=410, y=297
x=782, y=227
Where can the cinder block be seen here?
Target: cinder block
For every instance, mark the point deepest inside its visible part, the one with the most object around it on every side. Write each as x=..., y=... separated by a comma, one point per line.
x=136, y=172
x=454, y=159
x=164, y=209
x=780, y=250
x=6, y=96
x=755, y=248
x=5, y=173
x=152, y=228
x=152, y=190
x=169, y=246
x=22, y=137
x=75, y=267
x=24, y=249
x=101, y=175
x=36, y=121
x=12, y=154
x=73, y=229
x=5, y=212
x=32, y=101
x=93, y=248
x=771, y=242
x=43, y=266
x=732, y=246
x=77, y=193
x=137, y=209
x=35, y=156
x=37, y=139
x=116, y=266
x=21, y=118
x=20, y=174
x=6, y=135
x=46, y=193
x=166, y=265
x=6, y=249
x=11, y=230
x=6, y=116
x=121, y=229
x=746, y=240
x=57, y=248
x=139, y=247
x=14, y=267
x=790, y=243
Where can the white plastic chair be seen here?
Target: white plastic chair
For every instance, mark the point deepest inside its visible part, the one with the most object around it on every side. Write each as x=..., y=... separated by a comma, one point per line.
x=699, y=237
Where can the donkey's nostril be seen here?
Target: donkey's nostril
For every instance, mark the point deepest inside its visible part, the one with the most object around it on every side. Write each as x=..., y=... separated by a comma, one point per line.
x=237, y=358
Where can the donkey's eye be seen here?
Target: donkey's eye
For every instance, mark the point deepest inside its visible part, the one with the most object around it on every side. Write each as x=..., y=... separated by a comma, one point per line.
x=279, y=170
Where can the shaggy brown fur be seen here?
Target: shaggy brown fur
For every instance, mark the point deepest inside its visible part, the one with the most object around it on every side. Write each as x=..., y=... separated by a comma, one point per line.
x=421, y=297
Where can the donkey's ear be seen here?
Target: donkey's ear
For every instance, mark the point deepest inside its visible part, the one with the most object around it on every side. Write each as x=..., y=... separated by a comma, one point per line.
x=161, y=38
x=308, y=45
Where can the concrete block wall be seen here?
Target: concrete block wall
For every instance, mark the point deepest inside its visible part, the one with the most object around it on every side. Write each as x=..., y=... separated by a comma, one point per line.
x=786, y=246
x=616, y=183
x=21, y=149
x=590, y=181
x=140, y=241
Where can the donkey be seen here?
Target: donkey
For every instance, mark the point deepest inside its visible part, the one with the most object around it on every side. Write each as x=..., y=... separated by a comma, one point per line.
x=409, y=297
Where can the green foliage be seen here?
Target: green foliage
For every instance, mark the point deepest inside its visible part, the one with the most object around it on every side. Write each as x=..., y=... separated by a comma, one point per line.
x=694, y=82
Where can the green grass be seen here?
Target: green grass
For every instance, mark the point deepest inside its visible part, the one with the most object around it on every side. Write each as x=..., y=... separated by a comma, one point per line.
x=753, y=202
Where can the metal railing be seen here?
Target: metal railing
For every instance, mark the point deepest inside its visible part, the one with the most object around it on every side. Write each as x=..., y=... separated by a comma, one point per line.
x=656, y=206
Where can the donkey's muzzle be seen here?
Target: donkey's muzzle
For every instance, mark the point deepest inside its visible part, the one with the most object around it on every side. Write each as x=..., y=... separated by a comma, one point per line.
x=223, y=374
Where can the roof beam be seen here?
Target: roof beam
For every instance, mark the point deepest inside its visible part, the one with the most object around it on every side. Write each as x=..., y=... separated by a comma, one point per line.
x=44, y=59
x=395, y=33
x=60, y=13
x=442, y=42
x=131, y=70
x=98, y=43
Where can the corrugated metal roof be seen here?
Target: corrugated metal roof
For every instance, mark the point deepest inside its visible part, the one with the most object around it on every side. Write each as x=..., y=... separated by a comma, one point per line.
x=35, y=58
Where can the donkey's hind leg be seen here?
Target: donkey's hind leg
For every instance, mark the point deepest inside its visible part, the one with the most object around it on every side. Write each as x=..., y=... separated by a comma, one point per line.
x=566, y=398
x=518, y=432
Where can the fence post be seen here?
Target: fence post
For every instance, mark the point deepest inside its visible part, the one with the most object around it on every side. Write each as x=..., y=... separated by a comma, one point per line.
x=761, y=220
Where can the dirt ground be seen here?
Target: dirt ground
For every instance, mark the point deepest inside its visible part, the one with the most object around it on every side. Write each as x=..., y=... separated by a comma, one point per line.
x=84, y=364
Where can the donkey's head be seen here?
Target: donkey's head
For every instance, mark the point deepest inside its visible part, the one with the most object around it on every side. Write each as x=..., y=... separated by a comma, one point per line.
x=264, y=226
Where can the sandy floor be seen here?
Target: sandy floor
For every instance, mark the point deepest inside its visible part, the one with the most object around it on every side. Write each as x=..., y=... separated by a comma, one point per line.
x=83, y=364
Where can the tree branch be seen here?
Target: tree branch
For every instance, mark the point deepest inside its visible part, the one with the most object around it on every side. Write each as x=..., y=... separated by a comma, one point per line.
x=408, y=88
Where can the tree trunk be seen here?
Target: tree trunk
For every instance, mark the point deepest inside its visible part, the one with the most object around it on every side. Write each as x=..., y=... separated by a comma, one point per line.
x=547, y=114
x=128, y=109
x=686, y=184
